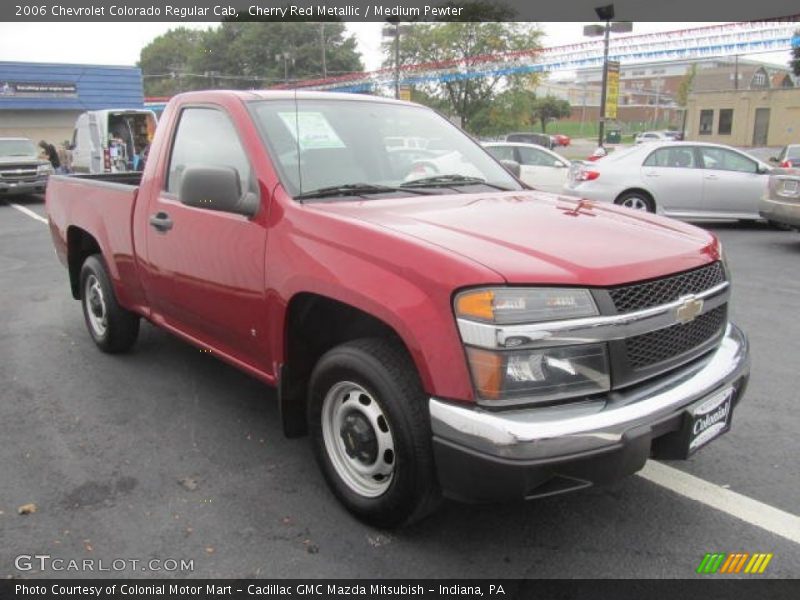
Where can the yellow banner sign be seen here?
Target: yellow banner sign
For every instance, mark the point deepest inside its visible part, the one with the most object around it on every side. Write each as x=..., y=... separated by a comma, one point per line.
x=612, y=90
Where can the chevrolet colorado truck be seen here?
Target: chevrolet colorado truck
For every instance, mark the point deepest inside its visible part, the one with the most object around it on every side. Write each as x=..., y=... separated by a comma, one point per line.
x=435, y=334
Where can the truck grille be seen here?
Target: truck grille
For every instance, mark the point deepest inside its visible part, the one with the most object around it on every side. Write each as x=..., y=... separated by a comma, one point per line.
x=12, y=173
x=639, y=296
x=657, y=346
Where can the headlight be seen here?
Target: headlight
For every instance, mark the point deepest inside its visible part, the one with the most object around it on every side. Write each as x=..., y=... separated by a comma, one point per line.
x=507, y=306
x=540, y=374
x=45, y=169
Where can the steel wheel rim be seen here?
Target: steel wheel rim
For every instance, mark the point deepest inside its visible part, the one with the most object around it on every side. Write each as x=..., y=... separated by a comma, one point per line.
x=96, y=310
x=348, y=402
x=635, y=202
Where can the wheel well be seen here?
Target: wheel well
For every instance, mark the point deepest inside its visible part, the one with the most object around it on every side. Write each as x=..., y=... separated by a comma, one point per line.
x=638, y=191
x=314, y=325
x=80, y=245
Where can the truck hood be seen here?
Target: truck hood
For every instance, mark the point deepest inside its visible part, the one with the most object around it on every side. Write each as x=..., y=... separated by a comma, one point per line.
x=21, y=160
x=533, y=237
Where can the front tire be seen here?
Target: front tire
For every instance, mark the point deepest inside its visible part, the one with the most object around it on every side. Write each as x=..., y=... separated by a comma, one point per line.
x=637, y=200
x=112, y=328
x=370, y=430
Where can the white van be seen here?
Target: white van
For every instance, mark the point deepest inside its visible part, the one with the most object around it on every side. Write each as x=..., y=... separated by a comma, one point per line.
x=112, y=141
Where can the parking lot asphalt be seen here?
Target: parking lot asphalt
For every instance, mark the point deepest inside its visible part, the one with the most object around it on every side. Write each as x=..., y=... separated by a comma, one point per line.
x=167, y=453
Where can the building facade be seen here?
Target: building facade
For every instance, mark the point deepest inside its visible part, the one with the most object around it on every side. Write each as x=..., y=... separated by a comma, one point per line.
x=750, y=117
x=43, y=100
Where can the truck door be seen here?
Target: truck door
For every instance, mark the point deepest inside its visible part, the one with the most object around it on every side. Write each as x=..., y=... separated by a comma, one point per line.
x=206, y=267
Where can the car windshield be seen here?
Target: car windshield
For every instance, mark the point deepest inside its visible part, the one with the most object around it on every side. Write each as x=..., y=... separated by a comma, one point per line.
x=793, y=153
x=17, y=148
x=329, y=148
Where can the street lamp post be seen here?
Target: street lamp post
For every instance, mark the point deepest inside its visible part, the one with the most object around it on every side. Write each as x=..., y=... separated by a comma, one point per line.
x=285, y=57
x=393, y=30
x=605, y=13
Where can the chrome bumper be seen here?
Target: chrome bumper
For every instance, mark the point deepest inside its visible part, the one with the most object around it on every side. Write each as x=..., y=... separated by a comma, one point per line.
x=596, y=425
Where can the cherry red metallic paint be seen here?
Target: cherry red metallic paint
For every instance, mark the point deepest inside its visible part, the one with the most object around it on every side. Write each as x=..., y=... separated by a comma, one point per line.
x=225, y=282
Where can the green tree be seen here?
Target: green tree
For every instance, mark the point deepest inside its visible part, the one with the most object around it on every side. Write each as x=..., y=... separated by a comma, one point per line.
x=166, y=61
x=685, y=86
x=794, y=63
x=244, y=55
x=467, y=44
x=549, y=109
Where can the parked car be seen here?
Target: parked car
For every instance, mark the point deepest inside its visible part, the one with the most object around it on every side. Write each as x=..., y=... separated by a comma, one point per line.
x=561, y=140
x=112, y=141
x=651, y=136
x=788, y=157
x=780, y=204
x=540, y=168
x=22, y=171
x=452, y=334
x=539, y=139
x=676, y=136
x=679, y=179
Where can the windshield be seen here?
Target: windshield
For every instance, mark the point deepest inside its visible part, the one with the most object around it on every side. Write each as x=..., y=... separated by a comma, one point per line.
x=368, y=147
x=17, y=148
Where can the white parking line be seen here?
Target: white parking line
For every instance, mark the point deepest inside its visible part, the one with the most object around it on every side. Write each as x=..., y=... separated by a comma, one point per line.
x=746, y=509
x=28, y=212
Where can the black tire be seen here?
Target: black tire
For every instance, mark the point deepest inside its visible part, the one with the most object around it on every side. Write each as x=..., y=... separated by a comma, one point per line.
x=100, y=304
x=388, y=377
x=641, y=198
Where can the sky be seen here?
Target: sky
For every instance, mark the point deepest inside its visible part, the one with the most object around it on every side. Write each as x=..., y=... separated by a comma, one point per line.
x=120, y=43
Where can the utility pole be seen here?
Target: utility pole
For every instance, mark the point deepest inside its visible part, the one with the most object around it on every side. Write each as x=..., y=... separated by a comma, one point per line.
x=322, y=46
x=605, y=13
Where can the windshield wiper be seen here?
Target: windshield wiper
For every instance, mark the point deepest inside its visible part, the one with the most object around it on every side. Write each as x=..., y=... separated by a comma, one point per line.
x=451, y=181
x=354, y=189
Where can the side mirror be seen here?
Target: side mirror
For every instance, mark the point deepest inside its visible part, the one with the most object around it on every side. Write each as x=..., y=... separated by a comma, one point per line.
x=216, y=188
x=512, y=167
x=558, y=164
x=761, y=169
x=773, y=159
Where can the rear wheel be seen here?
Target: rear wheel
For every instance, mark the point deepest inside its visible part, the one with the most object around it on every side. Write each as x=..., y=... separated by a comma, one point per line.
x=112, y=328
x=370, y=430
x=637, y=200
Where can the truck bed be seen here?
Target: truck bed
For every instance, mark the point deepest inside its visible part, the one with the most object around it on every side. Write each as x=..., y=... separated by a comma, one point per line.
x=97, y=210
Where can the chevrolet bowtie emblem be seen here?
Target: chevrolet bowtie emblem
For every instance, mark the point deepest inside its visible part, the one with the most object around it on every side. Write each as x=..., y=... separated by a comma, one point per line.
x=689, y=309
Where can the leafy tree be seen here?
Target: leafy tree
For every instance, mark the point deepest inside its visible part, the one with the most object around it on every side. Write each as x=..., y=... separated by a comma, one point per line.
x=467, y=44
x=245, y=55
x=685, y=86
x=794, y=63
x=166, y=59
x=548, y=109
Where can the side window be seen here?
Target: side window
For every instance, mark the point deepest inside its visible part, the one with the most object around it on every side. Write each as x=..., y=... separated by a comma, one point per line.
x=679, y=157
x=502, y=152
x=706, y=122
x=534, y=158
x=205, y=136
x=721, y=159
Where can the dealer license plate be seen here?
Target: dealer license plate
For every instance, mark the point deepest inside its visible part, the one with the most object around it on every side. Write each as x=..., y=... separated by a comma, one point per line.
x=789, y=186
x=709, y=419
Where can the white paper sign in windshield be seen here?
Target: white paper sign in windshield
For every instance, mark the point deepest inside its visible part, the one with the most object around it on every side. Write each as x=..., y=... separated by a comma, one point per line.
x=312, y=130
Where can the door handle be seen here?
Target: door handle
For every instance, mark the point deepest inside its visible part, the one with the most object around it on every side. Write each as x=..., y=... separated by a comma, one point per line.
x=711, y=177
x=650, y=174
x=161, y=222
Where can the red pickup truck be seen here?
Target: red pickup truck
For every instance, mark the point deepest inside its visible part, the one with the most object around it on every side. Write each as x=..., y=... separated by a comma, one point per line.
x=437, y=331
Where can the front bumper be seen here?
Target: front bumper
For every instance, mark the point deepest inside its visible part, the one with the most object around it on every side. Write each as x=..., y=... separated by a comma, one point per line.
x=31, y=186
x=525, y=453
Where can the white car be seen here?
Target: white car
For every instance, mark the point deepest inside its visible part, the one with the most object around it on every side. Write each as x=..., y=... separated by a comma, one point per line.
x=540, y=168
x=651, y=136
x=686, y=180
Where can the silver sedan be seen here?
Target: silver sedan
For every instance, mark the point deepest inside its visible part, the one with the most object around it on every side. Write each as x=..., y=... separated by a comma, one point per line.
x=686, y=180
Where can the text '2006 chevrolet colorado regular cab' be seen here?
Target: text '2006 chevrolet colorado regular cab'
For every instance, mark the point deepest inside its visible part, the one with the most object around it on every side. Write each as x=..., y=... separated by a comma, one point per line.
x=434, y=326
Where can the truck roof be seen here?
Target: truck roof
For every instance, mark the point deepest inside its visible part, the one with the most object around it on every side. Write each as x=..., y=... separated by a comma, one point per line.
x=251, y=95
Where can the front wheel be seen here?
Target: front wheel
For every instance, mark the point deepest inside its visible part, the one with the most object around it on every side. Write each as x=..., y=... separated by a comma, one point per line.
x=370, y=430
x=637, y=200
x=112, y=328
